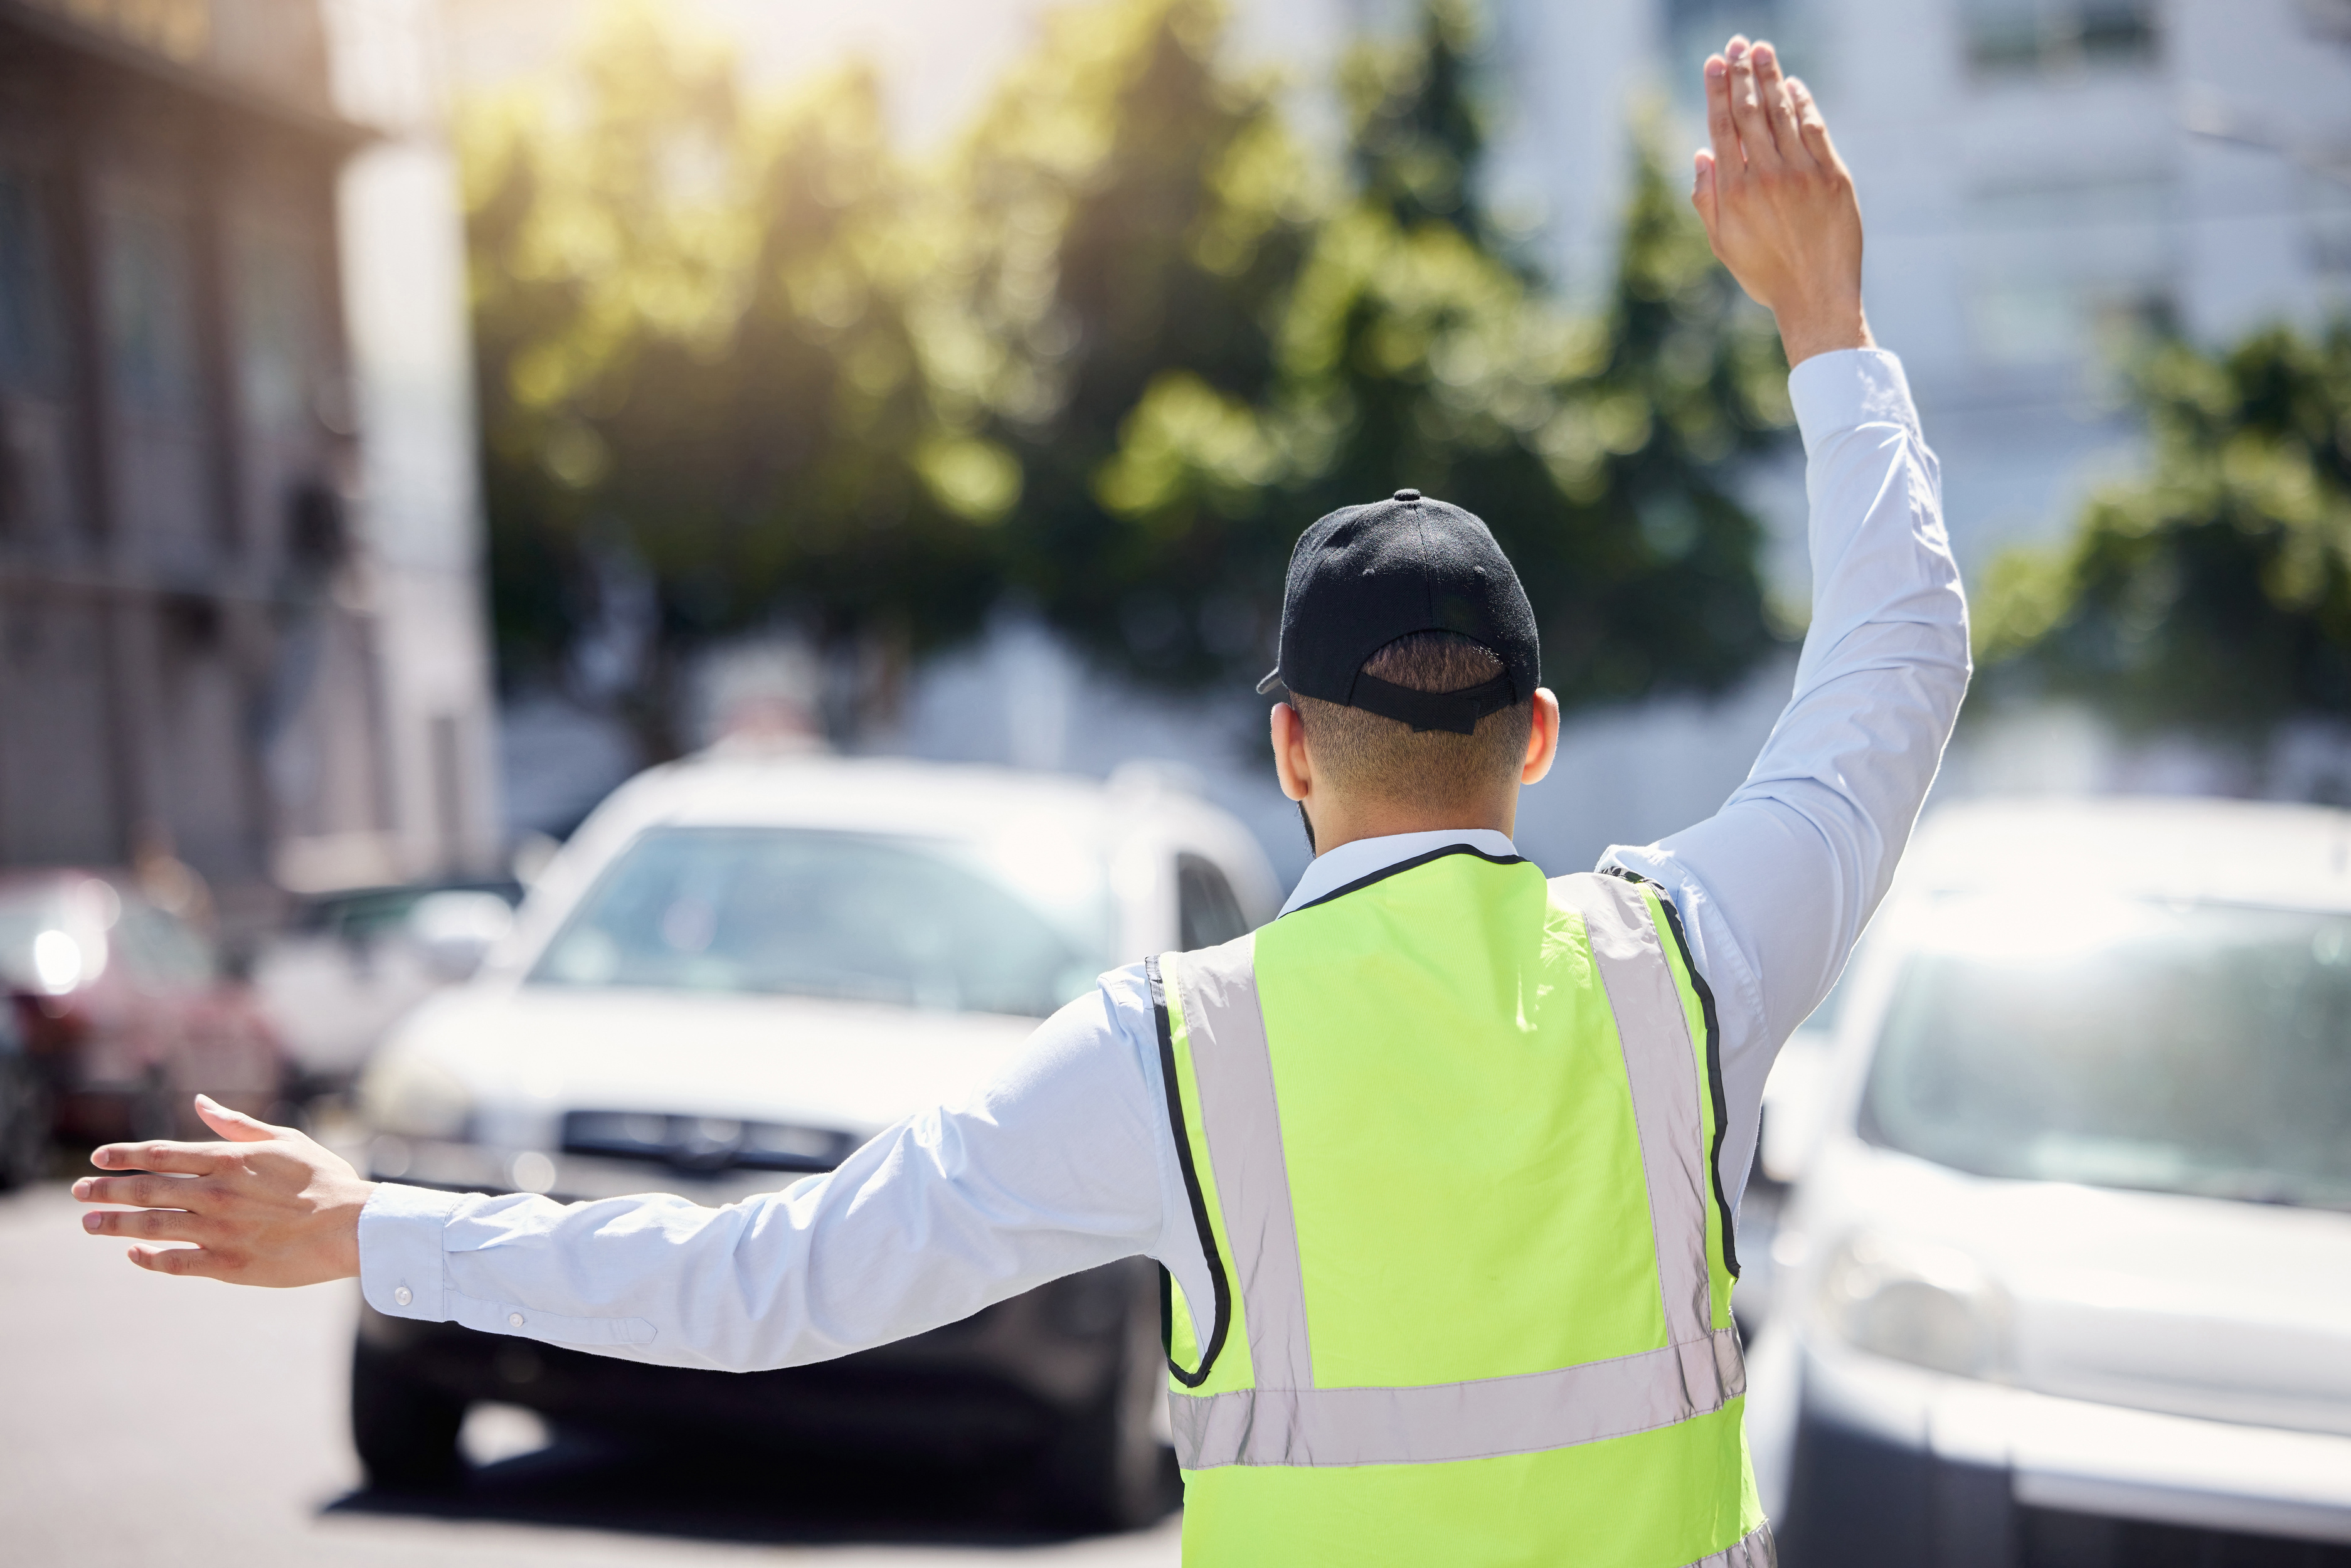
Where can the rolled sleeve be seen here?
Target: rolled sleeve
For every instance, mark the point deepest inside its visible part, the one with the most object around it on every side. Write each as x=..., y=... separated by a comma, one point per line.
x=401, y=1270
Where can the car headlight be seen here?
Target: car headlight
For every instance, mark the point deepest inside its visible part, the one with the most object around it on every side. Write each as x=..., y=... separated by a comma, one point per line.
x=1929, y=1305
x=413, y=1096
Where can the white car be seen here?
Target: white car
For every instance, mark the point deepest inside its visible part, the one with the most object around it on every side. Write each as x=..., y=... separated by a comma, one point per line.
x=2066, y=1278
x=348, y=964
x=738, y=970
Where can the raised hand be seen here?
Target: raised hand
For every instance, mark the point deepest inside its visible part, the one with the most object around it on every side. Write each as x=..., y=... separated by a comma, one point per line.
x=267, y=1206
x=1779, y=202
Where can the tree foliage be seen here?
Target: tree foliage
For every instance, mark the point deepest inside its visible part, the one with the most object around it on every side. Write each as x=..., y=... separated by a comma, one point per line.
x=2215, y=593
x=1407, y=351
x=702, y=333
x=1111, y=357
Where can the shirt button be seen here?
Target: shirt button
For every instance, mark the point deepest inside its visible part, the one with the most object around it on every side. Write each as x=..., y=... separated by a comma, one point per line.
x=513, y=1320
x=403, y=1295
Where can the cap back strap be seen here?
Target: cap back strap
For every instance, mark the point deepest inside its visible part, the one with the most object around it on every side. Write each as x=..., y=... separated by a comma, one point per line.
x=1457, y=713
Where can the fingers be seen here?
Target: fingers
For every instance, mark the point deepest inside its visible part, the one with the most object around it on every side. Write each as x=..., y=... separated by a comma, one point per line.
x=150, y=1224
x=1747, y=107
x=235, y=1125
x=1810, y=124
x=1772, y=89
x=192, y=1261
x=143, y=1191
x=1720, y=131
x=184, y=1159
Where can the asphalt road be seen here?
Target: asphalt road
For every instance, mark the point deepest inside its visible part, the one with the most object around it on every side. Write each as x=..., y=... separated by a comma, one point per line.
x=146, y=1420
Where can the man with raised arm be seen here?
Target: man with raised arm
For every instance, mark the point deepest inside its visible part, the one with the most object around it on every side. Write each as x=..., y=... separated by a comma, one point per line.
x=1444, y=1161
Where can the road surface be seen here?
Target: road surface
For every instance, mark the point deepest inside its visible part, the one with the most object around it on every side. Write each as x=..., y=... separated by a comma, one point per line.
x=146, y=1420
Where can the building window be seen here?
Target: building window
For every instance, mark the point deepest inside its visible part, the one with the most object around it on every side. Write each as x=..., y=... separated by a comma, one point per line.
x=276, y=335
x=149, y=331
x=31, y=346
x=2071, y=273
x=2326, y=207
x=2024, y=323
x=2012, y=38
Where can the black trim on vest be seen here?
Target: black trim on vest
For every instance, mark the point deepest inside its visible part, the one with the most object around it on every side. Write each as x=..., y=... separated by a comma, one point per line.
x=1217, y=1281
x=1381, y=874
x=1713, y=1062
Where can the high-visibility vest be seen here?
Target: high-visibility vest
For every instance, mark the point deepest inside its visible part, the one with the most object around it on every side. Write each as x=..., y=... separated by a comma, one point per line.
x=1448, y=1136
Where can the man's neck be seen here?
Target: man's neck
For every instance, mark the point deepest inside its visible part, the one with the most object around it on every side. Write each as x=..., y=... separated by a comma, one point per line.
x=1336, y=824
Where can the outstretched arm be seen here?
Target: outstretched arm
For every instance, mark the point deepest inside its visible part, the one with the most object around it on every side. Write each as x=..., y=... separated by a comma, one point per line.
x=1060, y=1162
x=1776, y=887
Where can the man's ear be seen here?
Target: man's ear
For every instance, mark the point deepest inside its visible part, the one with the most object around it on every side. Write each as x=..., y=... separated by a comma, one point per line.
x=1543, y=737
x=1290, y=764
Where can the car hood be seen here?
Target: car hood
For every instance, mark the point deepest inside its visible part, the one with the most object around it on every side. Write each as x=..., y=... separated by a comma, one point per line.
x=2230, y=1312
x=528, y=1053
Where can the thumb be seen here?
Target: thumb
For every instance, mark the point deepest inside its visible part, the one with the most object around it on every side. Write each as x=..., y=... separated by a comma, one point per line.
x=235, y=1125
x=1702, y=189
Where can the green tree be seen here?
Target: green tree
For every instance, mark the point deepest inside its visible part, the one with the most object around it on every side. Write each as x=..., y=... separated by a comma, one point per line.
x=1418, y=131
x=1111, y=358
x=2214, y=594
x=702, y=335
x=1408, y=350
x=1140, y=215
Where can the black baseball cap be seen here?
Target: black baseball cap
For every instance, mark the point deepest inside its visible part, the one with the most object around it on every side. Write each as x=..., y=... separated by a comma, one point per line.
x=1364, y=576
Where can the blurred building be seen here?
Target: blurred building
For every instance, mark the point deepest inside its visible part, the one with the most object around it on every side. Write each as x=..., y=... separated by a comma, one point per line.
x=240, y=606
x=2044, y=179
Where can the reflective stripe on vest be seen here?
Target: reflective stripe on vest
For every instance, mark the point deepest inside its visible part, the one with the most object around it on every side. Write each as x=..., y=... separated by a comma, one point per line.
x=1284, y=1419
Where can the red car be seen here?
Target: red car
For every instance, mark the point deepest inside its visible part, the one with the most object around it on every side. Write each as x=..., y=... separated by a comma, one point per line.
x=127, y=1009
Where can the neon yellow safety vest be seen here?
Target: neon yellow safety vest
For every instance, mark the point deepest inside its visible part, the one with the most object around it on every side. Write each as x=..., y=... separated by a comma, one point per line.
x=1449, y=1135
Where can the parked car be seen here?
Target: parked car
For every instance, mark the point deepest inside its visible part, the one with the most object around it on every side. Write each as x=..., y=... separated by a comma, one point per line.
x=348, y=964
x=2065, y=1274
x=735, y=973
x=24, y=1105
x=127, y=1009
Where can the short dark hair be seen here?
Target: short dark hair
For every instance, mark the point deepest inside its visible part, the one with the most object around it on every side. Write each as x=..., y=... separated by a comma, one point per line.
x=1358, y=750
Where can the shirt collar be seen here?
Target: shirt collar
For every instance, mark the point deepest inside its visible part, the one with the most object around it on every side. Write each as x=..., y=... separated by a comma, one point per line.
x=1360, y=858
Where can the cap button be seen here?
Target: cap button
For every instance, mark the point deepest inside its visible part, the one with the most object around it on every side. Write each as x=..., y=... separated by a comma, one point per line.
x=1408, y=495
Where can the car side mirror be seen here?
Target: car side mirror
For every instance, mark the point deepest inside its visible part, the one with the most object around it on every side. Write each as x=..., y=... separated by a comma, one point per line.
x=455, y=931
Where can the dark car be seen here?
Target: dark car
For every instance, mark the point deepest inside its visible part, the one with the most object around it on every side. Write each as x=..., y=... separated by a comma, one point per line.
x=24, y=1106
x=127, y=1009
x=1057, y=1388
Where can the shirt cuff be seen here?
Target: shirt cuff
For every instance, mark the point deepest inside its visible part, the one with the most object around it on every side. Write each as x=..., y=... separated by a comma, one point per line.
x=400, y=1251
x=1847, y=388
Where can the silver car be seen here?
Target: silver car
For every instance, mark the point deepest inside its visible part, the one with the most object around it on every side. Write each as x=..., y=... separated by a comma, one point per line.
x=2066, y=1278
x=737, y=972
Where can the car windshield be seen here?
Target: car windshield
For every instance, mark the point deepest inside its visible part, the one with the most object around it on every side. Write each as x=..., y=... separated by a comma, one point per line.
x=914, y=922
x=2183, y=1048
